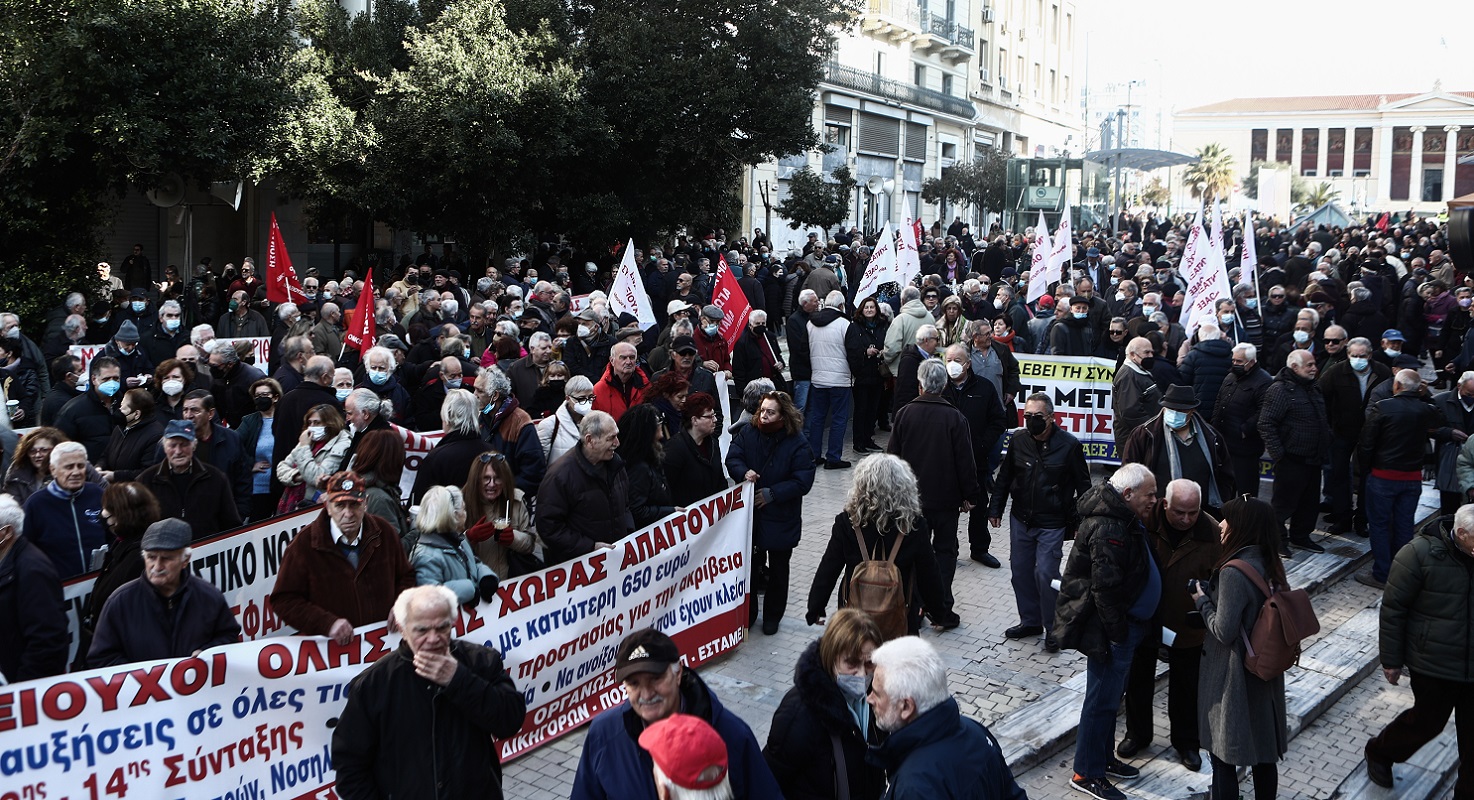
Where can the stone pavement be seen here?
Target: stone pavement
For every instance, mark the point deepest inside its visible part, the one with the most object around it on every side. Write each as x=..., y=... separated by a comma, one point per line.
x=991, y=676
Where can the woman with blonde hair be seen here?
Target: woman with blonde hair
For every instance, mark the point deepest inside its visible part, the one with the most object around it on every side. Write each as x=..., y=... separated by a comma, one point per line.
x=884, y=510
x=442, y=556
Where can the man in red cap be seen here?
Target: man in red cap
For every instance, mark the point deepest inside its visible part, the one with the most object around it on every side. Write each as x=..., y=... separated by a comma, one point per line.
x=690, y=759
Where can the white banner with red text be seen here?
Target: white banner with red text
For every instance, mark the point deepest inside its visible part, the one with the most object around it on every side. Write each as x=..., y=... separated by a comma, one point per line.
x=255, y=720
x=260, y=349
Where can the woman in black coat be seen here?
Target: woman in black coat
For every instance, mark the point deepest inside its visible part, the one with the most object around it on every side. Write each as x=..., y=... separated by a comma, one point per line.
x=884, y=502
x=640, y=436
x=134, y=445
x=693, y=459
x=827, y=701
x=869, y=329
x=128, y=509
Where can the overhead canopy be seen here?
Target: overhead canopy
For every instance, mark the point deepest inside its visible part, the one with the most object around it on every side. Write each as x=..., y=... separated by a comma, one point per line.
x=1141, y=159
x=1466, y=201
x=1329, y=215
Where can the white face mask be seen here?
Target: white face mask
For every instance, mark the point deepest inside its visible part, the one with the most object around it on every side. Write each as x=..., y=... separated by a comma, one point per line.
x=954, y=369
x=173, y=387
x=317, y=432
x=584, y=331
x=583, y=409
x=998, y=303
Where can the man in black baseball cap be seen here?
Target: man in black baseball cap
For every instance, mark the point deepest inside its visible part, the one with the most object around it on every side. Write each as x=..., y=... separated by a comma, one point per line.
x=648, y=665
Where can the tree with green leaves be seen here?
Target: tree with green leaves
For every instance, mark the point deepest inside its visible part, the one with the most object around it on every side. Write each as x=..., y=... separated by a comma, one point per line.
x=979, y=184
x=813, y=202
x=1156, y=192
x=1211, y=177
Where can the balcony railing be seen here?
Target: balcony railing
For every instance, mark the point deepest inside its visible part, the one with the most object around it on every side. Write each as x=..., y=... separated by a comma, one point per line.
x=905, y=12
x=963, y=37
x=873, y=84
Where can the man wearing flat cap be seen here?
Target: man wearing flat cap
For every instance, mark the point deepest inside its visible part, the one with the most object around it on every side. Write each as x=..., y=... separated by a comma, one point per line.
x=168, y=612
x=614, y=763
x=187, y=487
x=343, y=570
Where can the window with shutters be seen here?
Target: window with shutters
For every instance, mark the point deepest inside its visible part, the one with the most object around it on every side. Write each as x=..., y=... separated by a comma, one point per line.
x=838, y=115
x=915, y=141
x=879, y=135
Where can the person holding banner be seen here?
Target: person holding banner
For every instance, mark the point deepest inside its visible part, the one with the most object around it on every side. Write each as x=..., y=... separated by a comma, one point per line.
x=422, y=721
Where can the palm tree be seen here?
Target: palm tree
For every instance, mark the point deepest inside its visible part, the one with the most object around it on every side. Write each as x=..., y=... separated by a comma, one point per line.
x=1212, y=177
x=1322, y=194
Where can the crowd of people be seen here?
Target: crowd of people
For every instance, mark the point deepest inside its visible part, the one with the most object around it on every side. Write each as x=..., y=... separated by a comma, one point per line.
x=567, y=426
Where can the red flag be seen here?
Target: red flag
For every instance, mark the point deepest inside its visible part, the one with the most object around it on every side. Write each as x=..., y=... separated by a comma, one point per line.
x=1383, y=222
x=360, y=334
x=281, y=280
x=729, y=297
x=917, y=226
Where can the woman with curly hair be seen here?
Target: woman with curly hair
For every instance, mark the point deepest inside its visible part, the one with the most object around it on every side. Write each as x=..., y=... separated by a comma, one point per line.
x=772, y=453
x=884, y=510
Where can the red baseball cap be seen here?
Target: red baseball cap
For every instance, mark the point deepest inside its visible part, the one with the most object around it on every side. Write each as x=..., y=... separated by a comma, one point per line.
x=687, y=750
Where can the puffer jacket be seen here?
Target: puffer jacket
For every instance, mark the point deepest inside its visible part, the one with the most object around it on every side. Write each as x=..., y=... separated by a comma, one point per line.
x=829, y=359
x=582, y=503
x=1292, y=421
x=1103, y=575
x=1428, y=606
x=1207, y=364
x=445, y=559
x=1396, y=433
x=785, y=467
x=1236, y=412
x=902, y=331
x=800, y=748
x=1044, y=479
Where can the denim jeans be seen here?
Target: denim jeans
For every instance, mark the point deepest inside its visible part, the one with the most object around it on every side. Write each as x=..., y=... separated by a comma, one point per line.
x=1105, y=679
x=832, y=404
x=1392, y=507
x=801, y=395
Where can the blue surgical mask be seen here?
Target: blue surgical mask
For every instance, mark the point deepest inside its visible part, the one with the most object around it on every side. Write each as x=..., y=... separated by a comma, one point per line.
x=711, y=330
x=138, y=305
x=1301, y=337
x=343, y=394
x=1252, y=303
x=466, y=353
x=108, y=388
x=1392, y=354
x=1147, y=311
x=488, y=408
x=1226, y=319
x=171, y=325
x=1080, y=314
x=1173, y=418
x=378, y=376
x=1357, y=363
x=452, y=383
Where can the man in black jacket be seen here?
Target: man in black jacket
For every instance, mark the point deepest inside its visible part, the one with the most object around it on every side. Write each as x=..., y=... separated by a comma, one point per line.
x=1236, y=416
x=1346, y=387
x=33, y=618
x=986, y=421
x=1044, y=472
x=1297, y=437
x=797, y=332
x=420, y=722
x=1109, y=592
x=1391, y=450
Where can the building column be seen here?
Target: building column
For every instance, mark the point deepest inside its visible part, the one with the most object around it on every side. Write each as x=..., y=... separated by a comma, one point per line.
x=1450, y=159
x=1295, y=150
x=1415, y=173
x=1322, y=158
x=1382, y=146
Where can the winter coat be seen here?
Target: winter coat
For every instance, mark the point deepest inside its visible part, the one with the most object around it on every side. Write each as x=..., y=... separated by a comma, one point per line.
x=796, y=329
x=800, y=748
x=943, y=754
x=582, y=503
x=291, y=410
x=1446, y=456
x=829, y=357
x=614, y=396
x=21, y=384
x=613, y=766
x=1073, y=337
x=1144, y=447
x=1207, y=364
x=1428, y=606
x=557, y=433
x=1103, y=576
x=403, y=736
x=1241, y=718
x=1194, y=556
x=1364, y=318
x=383, y=502
x=448, y=463
x=305, y=465
x=317, y=585
x=445, y=559
x=22, y=480
x=785, y=467
x=936, y=440
x=1236, y=412
x=923, y=580
x=208, y=505
x=748, y=359
x=139, y=624
x=233, y=392
x=33, y=617
x=123, y=563
x=88, y=419
x=865, y=369
x=524, y=537
x=223, y=451
x=1135, y=398
x=1044, y=479
x=66, y=526
x=132, y=450
x=902, y=332
x=1292, y=421
x=510, y=432
x=693, y=471
x=649, y=497
x=1346, y=405
x=1395, y=436
x=986, y=419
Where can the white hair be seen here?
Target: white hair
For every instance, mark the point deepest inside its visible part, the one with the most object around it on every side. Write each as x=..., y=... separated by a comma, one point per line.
x=422, y=596
x=1181, y=485
x=370, y=403
x=1406, y=380
x=722, y=791
x=439, y=508
x=459, y=413
x=378, y=352
x=286, y=310
x=1464, y=518
x=196, y=335
x=11, y=515
x=1247, y=350
x=65, y=449
x=913, y=669
x=539, y=338
x=1209, y=331
x=834, y=299
x=1129, y=476
x=926, y=332
x=807, y=295
x=932, y=375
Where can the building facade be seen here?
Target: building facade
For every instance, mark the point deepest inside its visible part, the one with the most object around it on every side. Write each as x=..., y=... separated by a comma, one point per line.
x=919, y=85
x=1389, y=152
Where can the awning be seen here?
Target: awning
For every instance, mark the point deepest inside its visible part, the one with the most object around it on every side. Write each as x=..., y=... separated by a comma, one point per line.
x=1140, y=159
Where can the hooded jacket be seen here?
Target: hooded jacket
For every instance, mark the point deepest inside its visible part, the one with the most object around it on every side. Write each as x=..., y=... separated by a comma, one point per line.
x=829, y=357
x=614, y=766
x=1428, y=606
x=1104, y=574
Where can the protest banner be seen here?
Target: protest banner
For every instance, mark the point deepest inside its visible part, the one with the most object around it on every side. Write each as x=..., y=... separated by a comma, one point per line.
x=908, y=253
x=416, y=447
x=729, y=298
x=1080, y=388
x=255, y=719
x=1039, y=262
x=281, y=279
x=627, y=292
x=260, y=347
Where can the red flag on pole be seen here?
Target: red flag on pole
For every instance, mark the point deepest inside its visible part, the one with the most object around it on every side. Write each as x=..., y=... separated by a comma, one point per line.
x=360, y=335
x=916, y=225
x=1384, y=221
x=281, y=280
x=728, y=296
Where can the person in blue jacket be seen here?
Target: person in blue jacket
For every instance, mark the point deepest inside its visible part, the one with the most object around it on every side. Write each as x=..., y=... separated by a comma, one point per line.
x=614, y=766
x=931, y=751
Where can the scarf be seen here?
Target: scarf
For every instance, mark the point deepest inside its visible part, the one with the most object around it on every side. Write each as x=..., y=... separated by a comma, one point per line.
x=1005, y=340
x=1213, y=498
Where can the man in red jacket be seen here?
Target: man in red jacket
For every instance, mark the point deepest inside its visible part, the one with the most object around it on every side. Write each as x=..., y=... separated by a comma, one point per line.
x=623, y=384
x=342, y=571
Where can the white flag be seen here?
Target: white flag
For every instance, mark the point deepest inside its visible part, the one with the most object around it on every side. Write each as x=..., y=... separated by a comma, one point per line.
x=908, y=256
x=1039, y=262
x=627, y=293
x=1207, y=281
x=1063, y=249
x=883, y=267
x=1248, y=259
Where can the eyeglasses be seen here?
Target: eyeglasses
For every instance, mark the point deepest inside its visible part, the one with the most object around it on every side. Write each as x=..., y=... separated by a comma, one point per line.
x=584, y=398
x=1036, y=416
x=1329, y=340
x=711, y=415
x=491, y=458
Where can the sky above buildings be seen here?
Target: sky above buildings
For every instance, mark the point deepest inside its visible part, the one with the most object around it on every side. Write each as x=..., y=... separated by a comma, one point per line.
x=1201, y=52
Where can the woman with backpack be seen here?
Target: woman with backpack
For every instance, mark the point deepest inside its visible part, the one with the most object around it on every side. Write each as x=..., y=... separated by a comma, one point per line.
x=1242, y=716
x=883, y=509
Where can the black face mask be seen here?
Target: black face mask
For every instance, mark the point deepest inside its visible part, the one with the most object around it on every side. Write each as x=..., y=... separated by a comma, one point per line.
x=1035, y=425
x=1239, y=370
x=262, y=403
x=760, y=330
x=1146, y=363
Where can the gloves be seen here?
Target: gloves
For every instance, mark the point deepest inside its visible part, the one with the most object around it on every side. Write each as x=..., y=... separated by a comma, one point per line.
x=486, y=587
x=481, y=531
